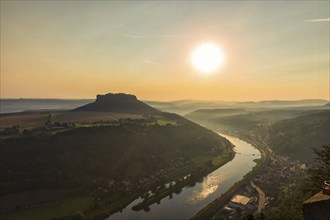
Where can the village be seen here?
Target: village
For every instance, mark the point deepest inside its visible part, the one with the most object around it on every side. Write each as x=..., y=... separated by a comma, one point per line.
x=156, y=181
x=250, y=199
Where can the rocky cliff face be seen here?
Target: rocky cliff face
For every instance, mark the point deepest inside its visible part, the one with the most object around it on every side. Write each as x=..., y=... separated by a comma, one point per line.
x=119, y=103
x=115, y=97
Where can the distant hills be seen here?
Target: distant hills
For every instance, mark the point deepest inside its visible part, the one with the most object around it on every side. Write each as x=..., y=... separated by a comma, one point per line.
x=180, y=107
x=327, y=105
x=186, y=106
x=288, y=131
x=19, y=105
x=303, y=102
x=214, y=113
x=119, y=103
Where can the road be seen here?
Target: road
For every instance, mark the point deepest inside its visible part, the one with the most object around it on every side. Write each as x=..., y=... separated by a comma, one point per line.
x=261, y=204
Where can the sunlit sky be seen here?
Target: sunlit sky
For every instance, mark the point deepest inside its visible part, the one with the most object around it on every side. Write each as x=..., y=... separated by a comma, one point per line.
x=77, y=49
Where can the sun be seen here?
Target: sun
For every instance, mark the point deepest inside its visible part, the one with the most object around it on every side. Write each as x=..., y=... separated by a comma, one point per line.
x=207, y=58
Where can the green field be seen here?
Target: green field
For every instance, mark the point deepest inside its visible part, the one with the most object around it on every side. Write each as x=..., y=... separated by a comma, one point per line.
x=220, y=160
x=57, y=209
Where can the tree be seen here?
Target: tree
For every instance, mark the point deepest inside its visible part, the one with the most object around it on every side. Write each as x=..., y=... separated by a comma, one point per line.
x=320, y=171
x=260, y=216
x=48, y=122
x=238, y=211
x=246, y=216
x=15, y=129
x=78, y=216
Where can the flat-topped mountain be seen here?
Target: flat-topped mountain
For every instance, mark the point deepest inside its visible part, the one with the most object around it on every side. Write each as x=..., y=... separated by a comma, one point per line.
x=120, y=103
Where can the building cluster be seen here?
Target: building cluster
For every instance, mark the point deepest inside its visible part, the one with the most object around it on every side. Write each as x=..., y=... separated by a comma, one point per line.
x=280, y=169
x=14, y=130
x=246, y=200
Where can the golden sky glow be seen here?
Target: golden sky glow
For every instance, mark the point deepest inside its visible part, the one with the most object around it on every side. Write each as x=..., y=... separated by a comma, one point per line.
x=77, y=49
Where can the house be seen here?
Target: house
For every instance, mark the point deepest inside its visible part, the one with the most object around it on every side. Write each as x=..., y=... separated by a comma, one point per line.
x=111, y=183
x=239, y=201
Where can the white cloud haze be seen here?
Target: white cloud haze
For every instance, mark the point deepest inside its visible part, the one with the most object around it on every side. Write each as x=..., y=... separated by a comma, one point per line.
x=318, y=20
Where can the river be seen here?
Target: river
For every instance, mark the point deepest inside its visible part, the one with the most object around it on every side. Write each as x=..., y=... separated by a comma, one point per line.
x=192, y=199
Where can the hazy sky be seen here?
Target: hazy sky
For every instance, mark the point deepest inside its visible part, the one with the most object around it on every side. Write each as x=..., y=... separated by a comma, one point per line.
x=77, y=49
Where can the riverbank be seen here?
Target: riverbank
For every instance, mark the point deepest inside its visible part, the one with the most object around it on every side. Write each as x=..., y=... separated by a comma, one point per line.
x=202, y=167
x=191, y=180
x=213, y=207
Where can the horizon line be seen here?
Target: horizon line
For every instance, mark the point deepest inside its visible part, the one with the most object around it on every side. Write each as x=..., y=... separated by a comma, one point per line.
x=175, y=100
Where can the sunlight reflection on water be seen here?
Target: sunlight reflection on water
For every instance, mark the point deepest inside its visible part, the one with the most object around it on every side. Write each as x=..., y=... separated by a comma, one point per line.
x=209, y=185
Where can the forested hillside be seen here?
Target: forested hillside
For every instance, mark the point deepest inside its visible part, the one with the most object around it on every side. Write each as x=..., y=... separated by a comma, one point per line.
x=75, y=158
x=297, y=136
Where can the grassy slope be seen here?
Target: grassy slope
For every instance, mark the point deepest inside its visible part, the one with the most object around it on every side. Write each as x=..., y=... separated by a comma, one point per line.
x=36, y=119
x=56, y=209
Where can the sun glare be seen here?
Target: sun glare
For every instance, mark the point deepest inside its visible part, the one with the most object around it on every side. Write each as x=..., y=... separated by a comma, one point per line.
x=207, y=58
